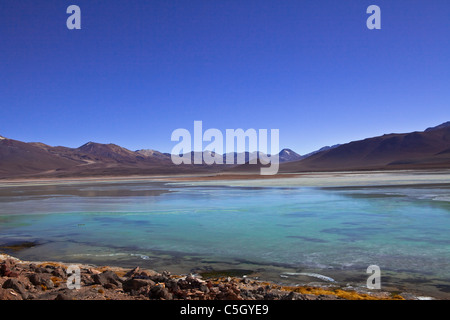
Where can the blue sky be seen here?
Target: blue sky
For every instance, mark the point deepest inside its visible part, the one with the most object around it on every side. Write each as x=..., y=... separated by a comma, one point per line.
x=140, y=69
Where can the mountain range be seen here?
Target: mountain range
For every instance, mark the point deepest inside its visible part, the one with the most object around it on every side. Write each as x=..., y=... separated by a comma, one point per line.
x=428, y=149
x=35, y=159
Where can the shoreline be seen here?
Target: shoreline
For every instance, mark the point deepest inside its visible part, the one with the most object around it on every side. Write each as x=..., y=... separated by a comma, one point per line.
x=319, y=179
x=47, y=280
x=281, y=275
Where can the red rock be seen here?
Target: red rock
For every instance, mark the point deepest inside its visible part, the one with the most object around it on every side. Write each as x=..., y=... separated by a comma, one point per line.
x=42, y=279
x=9, y=294
x=136, y=284
x=107, y=277
x=16, y=285
x=132, y=272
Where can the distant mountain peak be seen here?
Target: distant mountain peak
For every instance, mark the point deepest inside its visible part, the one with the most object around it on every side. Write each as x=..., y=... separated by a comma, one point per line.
x=91, y=144
x=286, y=151
x=150, y=153
x=2, y=138
x=441, y=126
x=147, y=152
x=287, y=155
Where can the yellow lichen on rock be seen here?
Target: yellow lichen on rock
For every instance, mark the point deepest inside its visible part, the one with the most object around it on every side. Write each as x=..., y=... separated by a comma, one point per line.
x=52, y=264
x=344, y=294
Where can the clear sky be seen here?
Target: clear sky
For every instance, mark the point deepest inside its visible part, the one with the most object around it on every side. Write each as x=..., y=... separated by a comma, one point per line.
x=137, y=70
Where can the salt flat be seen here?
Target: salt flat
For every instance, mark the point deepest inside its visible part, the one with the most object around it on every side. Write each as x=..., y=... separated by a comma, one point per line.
x=337, y=179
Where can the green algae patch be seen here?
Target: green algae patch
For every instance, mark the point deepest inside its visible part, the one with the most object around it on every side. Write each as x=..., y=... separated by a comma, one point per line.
x=15, y=247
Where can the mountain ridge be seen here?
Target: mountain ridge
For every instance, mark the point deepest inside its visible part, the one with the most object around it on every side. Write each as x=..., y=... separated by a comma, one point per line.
x=418, y=149
x=415, y=150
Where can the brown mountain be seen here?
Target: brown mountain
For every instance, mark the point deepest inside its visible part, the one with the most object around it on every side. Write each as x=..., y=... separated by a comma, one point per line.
x=35, y=159
x=429, y=149
x=150, y=153
x=19, y=158
x=108, y=153
x=287, y=155
x=416, y=150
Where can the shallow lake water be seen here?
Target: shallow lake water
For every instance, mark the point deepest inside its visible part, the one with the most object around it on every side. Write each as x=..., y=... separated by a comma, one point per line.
x=277, y=233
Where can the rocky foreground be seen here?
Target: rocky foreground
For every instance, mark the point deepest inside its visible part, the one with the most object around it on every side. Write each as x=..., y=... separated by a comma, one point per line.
x=21, y=280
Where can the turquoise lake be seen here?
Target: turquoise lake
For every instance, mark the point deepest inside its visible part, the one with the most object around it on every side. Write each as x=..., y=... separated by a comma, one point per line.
x=272, y=233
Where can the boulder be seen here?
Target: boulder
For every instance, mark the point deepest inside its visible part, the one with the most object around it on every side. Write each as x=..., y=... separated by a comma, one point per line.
x=136, y=284
x=172, y=285
x=63, y=296
x=148, y=273
x=293, y=296
x=42, y=270
x=9, y=263
x=6, y=269
x=86, y=279
x=17, y=286
x=59, y=272
x=42, y=279
x=107, y=277
x=161, y=293
x=132, y=272
x=9, y=294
